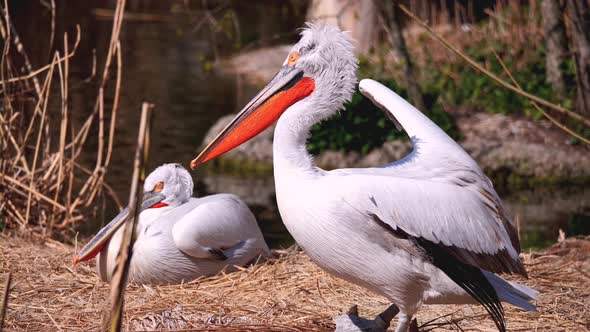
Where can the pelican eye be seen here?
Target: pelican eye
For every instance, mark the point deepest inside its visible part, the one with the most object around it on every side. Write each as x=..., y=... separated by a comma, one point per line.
x=159, y=187
x=293, y=57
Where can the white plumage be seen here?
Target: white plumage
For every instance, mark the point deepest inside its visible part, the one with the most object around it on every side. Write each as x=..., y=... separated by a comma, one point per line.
x=429, y=228
x=183, y=237
x=366, y=225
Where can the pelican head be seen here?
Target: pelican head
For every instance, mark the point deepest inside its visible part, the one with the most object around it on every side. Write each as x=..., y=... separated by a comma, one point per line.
x=320, y=69
x=172, y=181
x=167, y=185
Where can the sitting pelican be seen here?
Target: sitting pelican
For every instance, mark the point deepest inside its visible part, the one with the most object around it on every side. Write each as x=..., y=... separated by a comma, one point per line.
x=179, y=237
x=427, y=229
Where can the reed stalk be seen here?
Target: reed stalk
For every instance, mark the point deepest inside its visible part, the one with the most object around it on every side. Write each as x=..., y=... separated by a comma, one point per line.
x=121, y=272
x=491, y=75
x=4, y=305
x=43, y=187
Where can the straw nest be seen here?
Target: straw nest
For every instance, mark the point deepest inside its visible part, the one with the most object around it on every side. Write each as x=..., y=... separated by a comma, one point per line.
x=286, y=293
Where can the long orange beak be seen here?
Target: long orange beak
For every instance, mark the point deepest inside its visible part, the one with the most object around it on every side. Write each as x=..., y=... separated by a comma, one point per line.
x=286, y=88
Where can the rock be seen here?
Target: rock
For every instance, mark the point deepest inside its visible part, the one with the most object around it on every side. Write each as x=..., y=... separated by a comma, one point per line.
x=257, y=66
x=523, y=147
x=387, y=153
x=258, y=191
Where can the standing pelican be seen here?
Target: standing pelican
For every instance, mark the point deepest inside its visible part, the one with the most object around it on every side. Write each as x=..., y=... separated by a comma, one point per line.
x=179, y=237
x=427, y=229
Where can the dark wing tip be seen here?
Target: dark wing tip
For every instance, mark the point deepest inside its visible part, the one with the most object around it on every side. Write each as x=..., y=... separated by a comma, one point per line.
x=455, y=264
x=468, y=277
x=217, y=254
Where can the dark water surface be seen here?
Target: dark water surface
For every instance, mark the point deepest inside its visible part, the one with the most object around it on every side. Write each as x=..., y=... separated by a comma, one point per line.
x=169, y=61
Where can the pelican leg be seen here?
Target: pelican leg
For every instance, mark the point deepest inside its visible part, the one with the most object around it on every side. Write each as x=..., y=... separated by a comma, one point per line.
x=404, y=322
x=351, y=322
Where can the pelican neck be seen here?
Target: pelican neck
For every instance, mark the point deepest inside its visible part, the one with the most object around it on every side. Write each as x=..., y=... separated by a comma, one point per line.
x=289, y=145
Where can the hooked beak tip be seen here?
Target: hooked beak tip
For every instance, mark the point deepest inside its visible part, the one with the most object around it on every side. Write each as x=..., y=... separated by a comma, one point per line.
x=194, y=164
x=76, y=260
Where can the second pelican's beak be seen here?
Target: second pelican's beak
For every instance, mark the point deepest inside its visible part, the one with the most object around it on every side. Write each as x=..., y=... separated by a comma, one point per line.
x=286, y=88
x=98, y=242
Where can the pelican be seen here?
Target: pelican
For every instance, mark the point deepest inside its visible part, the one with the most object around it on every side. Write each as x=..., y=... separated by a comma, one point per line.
x=179, y=237
x=427, y=229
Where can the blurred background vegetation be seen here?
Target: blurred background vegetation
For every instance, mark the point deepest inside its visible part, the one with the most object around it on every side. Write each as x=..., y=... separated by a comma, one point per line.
x=176, y=54
x=515, y=30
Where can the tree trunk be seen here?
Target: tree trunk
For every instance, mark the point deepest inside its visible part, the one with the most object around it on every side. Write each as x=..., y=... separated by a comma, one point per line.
x=398, y=44
x=357, y=16
x=555, y=44
x=579, y=15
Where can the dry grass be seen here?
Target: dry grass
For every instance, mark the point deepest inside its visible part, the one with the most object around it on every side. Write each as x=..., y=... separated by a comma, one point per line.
x=43, y=186
x=514, y=23
x=288, y=293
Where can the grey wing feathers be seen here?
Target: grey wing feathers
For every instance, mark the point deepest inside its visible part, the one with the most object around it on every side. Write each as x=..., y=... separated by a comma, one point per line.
x=215, y=224
x=467, y=218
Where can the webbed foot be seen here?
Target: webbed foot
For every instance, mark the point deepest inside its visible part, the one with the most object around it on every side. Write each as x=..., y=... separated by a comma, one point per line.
x=351, y=322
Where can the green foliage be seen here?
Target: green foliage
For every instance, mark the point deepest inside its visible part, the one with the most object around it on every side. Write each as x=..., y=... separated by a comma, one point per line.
x=459, y=85
x=362, y=126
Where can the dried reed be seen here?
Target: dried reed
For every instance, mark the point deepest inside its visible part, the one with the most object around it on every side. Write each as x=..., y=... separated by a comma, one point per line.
x=510, y=86
x=119, y=282
x=286, y=293
x=537, y=107
x=39, y=182
x=4, y=305
x=491, y=75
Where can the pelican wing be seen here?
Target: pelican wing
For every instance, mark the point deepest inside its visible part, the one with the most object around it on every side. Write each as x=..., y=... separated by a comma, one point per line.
x=464, y=215
x=212, y=225
x=447, y=225
x=436, y=216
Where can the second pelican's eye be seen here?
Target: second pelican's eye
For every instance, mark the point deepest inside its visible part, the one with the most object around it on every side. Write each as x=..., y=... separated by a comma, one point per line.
x=293, y=57
x=159, y=187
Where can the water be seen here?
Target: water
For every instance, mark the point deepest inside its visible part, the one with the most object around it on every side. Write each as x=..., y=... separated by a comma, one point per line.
x=169, y=62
